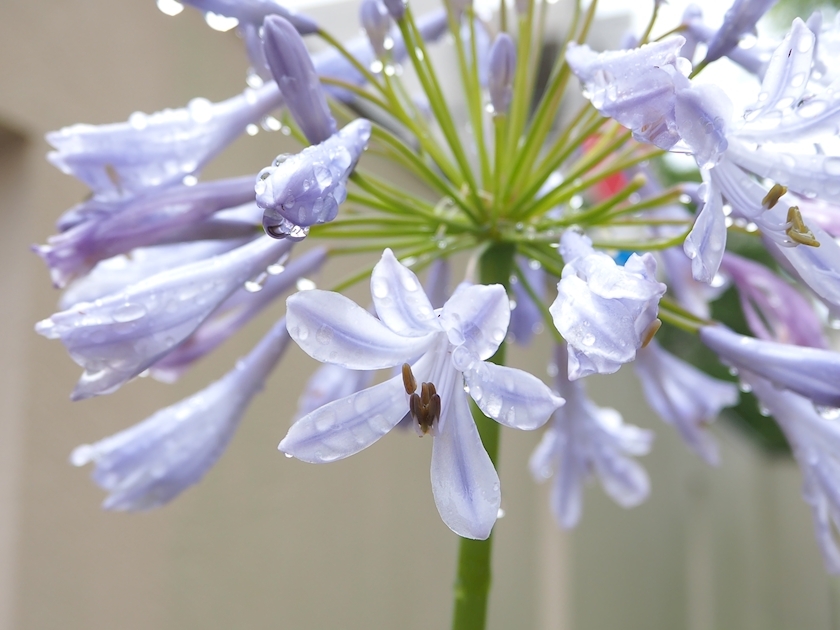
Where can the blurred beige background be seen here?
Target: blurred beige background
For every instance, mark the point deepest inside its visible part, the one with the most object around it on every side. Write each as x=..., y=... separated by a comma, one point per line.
x=266, y=542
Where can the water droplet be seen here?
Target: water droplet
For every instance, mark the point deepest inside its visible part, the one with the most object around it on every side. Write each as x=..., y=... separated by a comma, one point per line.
x=200, y=109
x=270, y=123
x=501, y=512
x=829, y=413
x=83, y=454
x=220, y=23
x=324, y=335
x=588, y=339
x=129, y=313
x=379, y=288
x=252, y=129
x=139, y=120
x=288, y=455
x=170, y=7
x=275, y=269
x=189, y=180
x=305, y=284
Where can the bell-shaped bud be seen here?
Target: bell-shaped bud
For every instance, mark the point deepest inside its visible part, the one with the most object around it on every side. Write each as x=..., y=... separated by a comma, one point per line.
x=297, y=79
x=304, y=189
x=501, y=67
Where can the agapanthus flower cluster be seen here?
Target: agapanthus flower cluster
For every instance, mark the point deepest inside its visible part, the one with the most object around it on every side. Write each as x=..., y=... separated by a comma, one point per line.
x=570, y=233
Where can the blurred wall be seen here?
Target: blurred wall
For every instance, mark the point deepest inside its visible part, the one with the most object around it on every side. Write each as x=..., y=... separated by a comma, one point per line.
x=267, y=542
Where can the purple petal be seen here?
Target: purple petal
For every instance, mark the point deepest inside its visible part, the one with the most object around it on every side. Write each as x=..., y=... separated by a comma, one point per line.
x=333, y=329
x=464, y=482
x=706, y=242
x=477, y=316
x=400, y=301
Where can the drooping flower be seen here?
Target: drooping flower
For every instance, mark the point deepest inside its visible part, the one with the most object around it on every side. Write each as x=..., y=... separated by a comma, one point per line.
x=774, y=310
x=377, y=23
x=154, y=218
x=815, y=440
x=149, y=464
x=684, y=397
x=739, y=20
x=117, y=337
x=440, y=353
x=584, y=439
x=255, y=11
x=121, y=160
x=246, y=303
x=813, y=373
x=604, y=311
x=300, y=190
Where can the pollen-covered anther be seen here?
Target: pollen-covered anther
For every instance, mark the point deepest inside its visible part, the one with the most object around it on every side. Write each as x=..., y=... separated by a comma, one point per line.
x=773, y=195
x=797, y=231
x=650, y=332
x=424, y=407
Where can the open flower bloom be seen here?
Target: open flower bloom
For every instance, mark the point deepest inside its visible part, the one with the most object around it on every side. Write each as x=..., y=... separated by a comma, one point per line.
x=151, y=463
x=604, y=311
x=441, y=351
x=683, y=396
x=583, y=440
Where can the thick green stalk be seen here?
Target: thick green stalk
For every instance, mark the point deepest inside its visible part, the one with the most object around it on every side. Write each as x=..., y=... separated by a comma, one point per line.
x=472, y=583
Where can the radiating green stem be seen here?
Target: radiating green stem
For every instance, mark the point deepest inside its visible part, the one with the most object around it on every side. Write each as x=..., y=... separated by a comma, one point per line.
x=472, y=583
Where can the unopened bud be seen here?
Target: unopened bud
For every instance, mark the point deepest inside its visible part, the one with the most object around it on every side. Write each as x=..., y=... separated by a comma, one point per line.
x=501, y=67
x=377, y=22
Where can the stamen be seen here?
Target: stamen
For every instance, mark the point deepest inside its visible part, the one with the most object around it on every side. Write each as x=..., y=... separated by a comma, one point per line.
x=425, y=407
x=798, y=231
x=409, y=382
x=773, y=196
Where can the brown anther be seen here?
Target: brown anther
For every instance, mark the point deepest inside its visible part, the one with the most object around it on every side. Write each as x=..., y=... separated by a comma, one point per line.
x=650, y=332
x=797, y=231
x=773, y=195
x=425, y=407
x=409, y=381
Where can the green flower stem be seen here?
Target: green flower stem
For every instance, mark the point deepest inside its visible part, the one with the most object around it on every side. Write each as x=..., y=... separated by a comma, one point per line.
x=472, y=89
x=416, y=48
x=360, y=92
x=675, y=309
x=426, y=173
x=521, y=98
x=648, y=245
x=591, y=215
x=500, y=160
x=667, y=197
x=545, y=254
x=651, y=22
x=369, y=76
x=472, y=582
x=688, y=324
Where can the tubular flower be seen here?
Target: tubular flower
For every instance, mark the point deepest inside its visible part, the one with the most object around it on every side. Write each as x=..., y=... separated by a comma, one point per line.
x=441, y=352
x=584, y=439
x=152, y=462
x=117, y=337
x=684, y=396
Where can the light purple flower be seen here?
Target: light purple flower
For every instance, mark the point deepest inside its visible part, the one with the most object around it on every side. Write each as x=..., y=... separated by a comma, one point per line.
x=117, y=337
x=396, y=8
x=240, y=308
x=684, y=397
x=452, y=345
x=146, y=220
x=815, y=440
x=635, y=87
x=121, y=160
x=299, y=190
x=297, y=79
x=810, y=372
x=774, y=310
x=113, y=275
x=739, y=20
x=500, y=70
x=584, y=439
x=330, y=383
x=149, y=464
x=604, y=311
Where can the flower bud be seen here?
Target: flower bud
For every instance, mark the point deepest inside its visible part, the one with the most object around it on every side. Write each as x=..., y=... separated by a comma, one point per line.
x=501, y=67
x=377, y=22
x=297, y=79
x=396, y=8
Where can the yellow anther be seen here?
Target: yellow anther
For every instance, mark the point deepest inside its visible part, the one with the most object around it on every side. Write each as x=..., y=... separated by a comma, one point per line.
x=797, y=231
x=773, y=196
